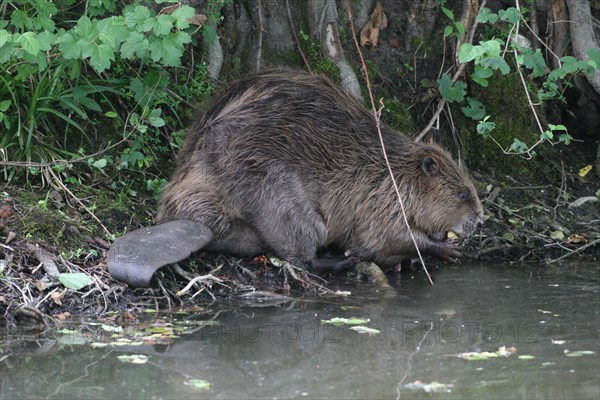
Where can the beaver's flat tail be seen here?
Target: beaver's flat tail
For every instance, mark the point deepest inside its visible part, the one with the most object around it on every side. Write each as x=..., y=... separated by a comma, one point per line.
x=135, y=257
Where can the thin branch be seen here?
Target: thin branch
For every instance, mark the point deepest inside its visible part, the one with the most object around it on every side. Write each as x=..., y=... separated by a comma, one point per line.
x=289, y=13
x=377, y=115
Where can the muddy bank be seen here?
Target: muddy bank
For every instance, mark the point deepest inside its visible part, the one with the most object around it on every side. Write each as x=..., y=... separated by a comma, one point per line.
x=42, y=239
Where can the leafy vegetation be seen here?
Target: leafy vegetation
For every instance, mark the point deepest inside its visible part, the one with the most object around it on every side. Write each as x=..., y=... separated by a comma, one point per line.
x=98, y=82
x=506, y=53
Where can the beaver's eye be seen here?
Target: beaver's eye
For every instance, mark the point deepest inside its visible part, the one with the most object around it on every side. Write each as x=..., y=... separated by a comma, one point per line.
x=463, y=196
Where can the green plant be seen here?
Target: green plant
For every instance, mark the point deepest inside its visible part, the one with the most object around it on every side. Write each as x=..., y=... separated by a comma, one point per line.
x=74, y=75
x=492, y=56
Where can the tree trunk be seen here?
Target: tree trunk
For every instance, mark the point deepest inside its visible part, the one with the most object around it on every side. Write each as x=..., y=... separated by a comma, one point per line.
x=582, y=35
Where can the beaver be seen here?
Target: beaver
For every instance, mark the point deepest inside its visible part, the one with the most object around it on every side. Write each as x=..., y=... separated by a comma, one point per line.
x=287, y=163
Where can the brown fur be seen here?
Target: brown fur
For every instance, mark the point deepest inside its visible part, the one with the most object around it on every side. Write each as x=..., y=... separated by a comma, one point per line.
x=288, y=163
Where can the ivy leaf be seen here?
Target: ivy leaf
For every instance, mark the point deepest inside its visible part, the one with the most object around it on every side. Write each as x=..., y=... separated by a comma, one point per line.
x=74, y=281
x=511, y=15
x=474, y=109
x=467, y=52
x=593, y=54
x=209, y=33
x=29, y=43
x=486, y=15
x=452, y=93
x=182, y=15
x=496, y=62
x=480, y=75
x=518, y=146
x=492, y=47
x=534, y=61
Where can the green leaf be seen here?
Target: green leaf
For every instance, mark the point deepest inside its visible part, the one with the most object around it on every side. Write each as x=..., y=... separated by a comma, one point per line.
x=137, y=18
x=74, y=281
x=209, y=33
x=496, y=62
x=593, y=54
x=518, y=146
x=182, y=15
x=474, y=110
x=565, y=138
x=163, y=25
x=4, y=105
x=101, y=56
x=534, y=61
x=480, y=75
x=29, y=43
x=68, y=46
x=448, y=13
x=492, y=47
x=110, y=114
x=46, y=40
x=467, y=52
x=100, y=164
x=112, y=31
x=448, y=30
x=198, y=384
x=511, y=15
x=558, y=127
x=154, y=118
x=452, y=93
x=460, y=28
x=5, y=37
x=136, y=44
x=486, y=15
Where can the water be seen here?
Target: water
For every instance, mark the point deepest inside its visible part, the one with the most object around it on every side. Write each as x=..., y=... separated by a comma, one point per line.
x=284, y=351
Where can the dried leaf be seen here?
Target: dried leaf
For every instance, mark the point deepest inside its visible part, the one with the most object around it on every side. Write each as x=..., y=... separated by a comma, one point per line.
x=369, y=34
x=10, y=237
x=62, y=316
x=577, y=239
x=198, y=19
x=56, y=297
x=395, y=43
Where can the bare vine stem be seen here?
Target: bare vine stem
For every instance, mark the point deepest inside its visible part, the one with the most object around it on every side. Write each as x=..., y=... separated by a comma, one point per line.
x=289, y=13
x=377, y=115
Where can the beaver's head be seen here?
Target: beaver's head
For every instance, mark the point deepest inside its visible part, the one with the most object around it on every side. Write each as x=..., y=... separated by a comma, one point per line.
x=443, y=200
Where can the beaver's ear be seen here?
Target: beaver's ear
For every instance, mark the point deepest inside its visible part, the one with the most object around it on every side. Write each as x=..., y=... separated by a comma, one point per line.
x=430, y=166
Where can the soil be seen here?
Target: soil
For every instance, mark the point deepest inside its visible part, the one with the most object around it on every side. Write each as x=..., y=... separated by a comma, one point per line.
x=545, y=222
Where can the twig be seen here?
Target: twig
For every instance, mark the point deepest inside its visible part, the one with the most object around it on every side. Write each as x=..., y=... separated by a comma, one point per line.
x=66, y=189
x=409, y=362
x=577, y=250
x=376, y=115
x=201, y=278
x=289, y=13
x=456, y=76
x=260, y=34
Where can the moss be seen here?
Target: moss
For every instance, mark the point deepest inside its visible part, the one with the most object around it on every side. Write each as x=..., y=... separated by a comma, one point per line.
x=397, y=116
x=507, y=105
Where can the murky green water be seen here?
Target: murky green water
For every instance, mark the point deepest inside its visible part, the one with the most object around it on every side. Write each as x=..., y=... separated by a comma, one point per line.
x=548, y=317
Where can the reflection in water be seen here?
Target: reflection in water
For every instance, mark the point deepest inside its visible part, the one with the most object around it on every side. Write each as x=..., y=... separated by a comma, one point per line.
x=286, y=352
